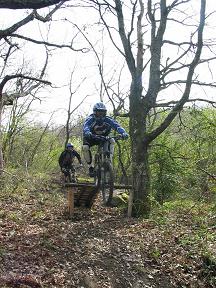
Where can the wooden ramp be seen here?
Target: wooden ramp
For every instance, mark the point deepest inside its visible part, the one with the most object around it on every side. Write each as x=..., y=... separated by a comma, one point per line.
x=81, y=195
x=84, y=194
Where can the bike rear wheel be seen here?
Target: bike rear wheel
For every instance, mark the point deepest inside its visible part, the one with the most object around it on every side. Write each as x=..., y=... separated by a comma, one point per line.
x=107, y=182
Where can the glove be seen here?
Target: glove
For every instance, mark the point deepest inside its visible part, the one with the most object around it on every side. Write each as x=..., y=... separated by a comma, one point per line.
x=125, y=135
x=88, y=134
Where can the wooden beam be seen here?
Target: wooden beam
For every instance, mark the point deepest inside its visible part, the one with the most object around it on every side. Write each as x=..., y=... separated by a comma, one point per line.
x=116, y=186
x=120, y=186
x=80, y=185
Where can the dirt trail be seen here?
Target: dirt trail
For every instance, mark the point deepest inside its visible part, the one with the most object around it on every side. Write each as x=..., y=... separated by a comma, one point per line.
x=98, y=248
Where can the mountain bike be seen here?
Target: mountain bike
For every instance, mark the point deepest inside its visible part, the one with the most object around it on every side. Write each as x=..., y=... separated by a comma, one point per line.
x=70, y=175
x=104, y=174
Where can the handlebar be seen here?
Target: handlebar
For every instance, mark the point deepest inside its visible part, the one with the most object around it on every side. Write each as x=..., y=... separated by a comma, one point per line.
x=107, y=138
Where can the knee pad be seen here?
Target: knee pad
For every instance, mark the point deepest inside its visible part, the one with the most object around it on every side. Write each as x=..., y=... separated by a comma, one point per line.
x=87, y=153
x=112, y=141
x=112, y=144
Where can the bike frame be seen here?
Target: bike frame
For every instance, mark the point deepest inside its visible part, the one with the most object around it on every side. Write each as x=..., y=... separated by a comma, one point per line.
x=103, y=167
x=71, y=175
x=103, y=151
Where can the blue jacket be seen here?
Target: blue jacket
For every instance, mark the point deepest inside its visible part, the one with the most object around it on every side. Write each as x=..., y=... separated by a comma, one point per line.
x=102, y=126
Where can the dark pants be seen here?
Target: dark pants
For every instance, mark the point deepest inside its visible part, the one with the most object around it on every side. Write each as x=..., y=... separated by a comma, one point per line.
x=66, y=169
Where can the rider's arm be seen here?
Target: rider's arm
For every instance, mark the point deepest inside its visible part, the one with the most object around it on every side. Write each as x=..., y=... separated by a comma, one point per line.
x=60, y=160
x=77, y=155
x=115, y=125
x=87, y=125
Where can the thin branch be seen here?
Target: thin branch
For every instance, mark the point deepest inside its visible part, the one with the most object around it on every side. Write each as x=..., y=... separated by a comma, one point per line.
x=109, y=33
x=152, y=135
x=84, y=50
x=194, y=82
x=209, y=174
x=10, y=77
x=13, y=28
x=168, y=104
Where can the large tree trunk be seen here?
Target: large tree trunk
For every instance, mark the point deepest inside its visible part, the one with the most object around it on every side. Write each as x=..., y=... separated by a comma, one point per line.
x=141, y=181
x=140, y=163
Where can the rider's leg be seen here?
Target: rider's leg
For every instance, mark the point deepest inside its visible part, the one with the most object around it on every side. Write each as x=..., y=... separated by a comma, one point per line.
x=72, y=172
x=87, y=154
x=65, y=172
x=88, y=158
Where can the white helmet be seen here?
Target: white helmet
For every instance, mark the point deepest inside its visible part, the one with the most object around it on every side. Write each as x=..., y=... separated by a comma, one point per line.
x=99, y=107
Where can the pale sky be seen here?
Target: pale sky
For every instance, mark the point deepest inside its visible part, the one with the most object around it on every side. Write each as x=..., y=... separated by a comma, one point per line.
x=63, y=61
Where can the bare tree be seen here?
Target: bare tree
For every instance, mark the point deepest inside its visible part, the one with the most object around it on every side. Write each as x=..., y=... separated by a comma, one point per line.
x=15, y=125
x=71, y=109
x=152, y=74
x=2, y=84
x=8, y=37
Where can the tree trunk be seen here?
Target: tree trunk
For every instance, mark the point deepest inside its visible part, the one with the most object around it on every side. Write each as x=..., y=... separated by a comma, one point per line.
x=140, y=163
x=141, y=181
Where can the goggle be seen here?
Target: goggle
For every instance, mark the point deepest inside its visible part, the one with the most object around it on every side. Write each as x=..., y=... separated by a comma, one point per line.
x=100, y=113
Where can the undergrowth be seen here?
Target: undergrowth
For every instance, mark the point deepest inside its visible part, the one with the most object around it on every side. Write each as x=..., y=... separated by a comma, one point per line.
x=194, y=228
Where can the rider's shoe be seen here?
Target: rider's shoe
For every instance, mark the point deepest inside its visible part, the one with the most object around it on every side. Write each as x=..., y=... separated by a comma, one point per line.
x=91, y=171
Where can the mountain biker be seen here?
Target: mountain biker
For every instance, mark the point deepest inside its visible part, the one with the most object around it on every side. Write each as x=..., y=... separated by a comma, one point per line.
x=98, y=124
x=67, y=157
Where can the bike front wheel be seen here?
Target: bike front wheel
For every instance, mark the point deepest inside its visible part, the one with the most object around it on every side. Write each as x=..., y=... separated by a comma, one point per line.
x=97, y=176
x=107, y=182
x=70, y=177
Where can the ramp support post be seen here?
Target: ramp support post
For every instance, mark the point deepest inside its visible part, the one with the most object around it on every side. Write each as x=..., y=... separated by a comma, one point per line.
x=71, y=201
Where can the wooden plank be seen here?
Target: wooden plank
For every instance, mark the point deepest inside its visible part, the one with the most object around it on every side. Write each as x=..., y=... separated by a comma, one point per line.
x=80, y=185
x=116, y=186
x=121, y=186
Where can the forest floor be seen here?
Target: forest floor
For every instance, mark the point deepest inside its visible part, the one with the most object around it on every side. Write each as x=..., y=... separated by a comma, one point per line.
x=100, y=248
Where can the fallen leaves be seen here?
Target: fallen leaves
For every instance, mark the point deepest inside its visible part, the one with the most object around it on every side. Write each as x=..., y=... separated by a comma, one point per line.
x=41, y=247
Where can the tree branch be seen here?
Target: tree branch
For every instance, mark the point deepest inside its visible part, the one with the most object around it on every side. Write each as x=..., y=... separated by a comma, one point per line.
x=84, y=50
x=151, y=136
x=13, y=28
x=30, y=17
x=10, y=77
x=166, y=84
x=167, y=104
x=28, y=4
x=126, y=44
x=156, y=47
